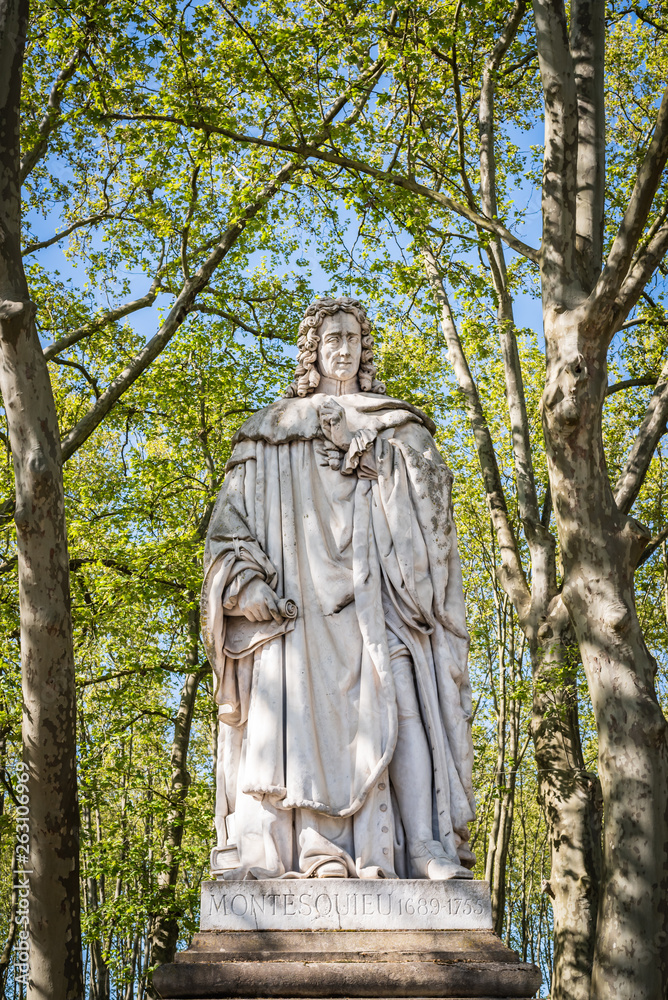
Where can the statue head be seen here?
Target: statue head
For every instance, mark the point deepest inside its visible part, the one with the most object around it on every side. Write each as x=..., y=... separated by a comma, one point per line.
x=307, y=372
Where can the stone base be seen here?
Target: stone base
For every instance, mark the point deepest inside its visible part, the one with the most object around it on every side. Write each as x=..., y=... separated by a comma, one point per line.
x=353, y=964
x=316, y=938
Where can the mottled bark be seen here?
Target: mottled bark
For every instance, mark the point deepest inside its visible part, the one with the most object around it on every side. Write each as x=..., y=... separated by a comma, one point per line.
x=600, y=545
x=571, y=800
x=600, y=549
x=558, y=248
x=510, y=572
x=49, y=717
x=587, y=37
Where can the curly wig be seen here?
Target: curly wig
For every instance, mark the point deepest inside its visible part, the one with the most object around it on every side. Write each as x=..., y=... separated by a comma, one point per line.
x=307, y=375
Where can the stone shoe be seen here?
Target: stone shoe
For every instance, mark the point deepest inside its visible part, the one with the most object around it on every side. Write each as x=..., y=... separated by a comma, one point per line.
x=429, y=860
x=331, y=868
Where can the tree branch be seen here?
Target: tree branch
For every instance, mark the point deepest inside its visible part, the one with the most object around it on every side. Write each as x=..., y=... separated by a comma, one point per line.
x=10, y=940
x=511, y=573
x=643, y=16
x=635, y=218
x=640, y=273
x=232, y=317
x=652, y=546
x=653, y=426
x=541, y=542
x=185, y=232
x=521, y=63
x=561, y=143
x=359, y=166
x=461, y=146
x=486, y=109
x=189, y=291
x=112, y=316
x=130, y=672
x=50, y=120
x=93, y=383
x=630, y=383
x=587, y=42
x=266, y=63
x=90, y=220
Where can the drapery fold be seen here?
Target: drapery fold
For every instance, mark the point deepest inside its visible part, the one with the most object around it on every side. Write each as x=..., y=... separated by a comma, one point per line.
x=363, y=558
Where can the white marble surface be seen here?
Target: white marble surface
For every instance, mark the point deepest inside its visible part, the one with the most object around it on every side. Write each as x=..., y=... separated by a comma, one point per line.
x=345, y=730
x=345, y=904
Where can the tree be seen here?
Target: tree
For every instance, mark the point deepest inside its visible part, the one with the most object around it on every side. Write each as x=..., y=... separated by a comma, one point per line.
x=586, y=297
x=46, y=627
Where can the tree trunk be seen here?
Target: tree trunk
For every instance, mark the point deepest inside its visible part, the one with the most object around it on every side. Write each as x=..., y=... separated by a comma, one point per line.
x=49, y=717
x=99, y=978
x=568, y=794
x=583, y=307
x=506, y=764
x=165, y=929
x=600, y=550
x=130, y=987
x=571, y=801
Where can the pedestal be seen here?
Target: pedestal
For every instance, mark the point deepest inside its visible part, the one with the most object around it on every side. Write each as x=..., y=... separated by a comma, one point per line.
x=350, y=938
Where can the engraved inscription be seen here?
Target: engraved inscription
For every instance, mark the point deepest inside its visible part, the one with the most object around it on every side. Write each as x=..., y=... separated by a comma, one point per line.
x=343, y=904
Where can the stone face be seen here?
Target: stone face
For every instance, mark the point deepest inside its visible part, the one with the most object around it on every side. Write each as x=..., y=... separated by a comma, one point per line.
x=345, y=904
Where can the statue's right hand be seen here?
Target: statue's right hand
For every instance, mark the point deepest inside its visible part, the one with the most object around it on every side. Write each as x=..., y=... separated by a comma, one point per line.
x=258, y=602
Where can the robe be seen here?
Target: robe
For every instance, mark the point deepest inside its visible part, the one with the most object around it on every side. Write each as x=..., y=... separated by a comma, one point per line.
x=309, y=709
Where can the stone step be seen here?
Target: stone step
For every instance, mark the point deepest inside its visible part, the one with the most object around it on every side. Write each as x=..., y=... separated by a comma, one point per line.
x=346, y=938
x=461, y=978
x=347, y=946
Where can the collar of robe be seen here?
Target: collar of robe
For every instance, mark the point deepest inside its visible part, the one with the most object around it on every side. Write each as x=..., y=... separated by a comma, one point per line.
x=298, y=419
x=338, y=386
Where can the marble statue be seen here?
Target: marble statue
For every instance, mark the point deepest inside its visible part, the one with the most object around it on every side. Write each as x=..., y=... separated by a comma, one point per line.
x=333, y=617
